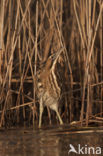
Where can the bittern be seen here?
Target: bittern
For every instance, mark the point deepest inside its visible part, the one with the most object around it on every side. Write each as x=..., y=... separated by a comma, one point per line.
x=48, y=90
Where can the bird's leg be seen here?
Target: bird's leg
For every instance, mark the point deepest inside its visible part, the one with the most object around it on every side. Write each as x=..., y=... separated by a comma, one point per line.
x=41, y=112
x=60, y=120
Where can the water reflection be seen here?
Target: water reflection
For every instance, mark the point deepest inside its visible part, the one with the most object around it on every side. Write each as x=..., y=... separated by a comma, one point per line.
x=53, y=141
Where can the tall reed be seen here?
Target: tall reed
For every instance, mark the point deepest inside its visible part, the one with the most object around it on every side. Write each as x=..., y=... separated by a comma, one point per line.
x=31, y=31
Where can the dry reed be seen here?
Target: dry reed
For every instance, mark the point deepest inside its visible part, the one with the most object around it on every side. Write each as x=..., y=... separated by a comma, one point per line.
x=30, y=31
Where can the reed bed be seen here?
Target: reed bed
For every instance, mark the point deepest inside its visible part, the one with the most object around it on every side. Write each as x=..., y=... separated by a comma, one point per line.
x=32, y=30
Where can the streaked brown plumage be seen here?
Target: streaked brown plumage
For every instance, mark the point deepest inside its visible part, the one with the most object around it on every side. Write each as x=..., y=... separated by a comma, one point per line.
x=48, y=91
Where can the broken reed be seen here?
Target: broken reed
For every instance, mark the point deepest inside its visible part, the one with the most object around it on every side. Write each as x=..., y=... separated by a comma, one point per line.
x=29, y=32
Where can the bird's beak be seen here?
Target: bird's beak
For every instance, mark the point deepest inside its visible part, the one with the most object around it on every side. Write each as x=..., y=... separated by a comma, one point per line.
x=57, y=54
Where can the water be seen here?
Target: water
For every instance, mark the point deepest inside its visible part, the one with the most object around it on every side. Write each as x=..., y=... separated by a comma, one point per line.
x=50, y=141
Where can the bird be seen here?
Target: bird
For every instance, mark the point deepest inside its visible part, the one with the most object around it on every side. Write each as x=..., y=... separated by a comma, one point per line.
x=48, y=90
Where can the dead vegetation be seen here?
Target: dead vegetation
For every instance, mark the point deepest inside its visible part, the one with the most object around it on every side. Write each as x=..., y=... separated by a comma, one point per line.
x=31, y=31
